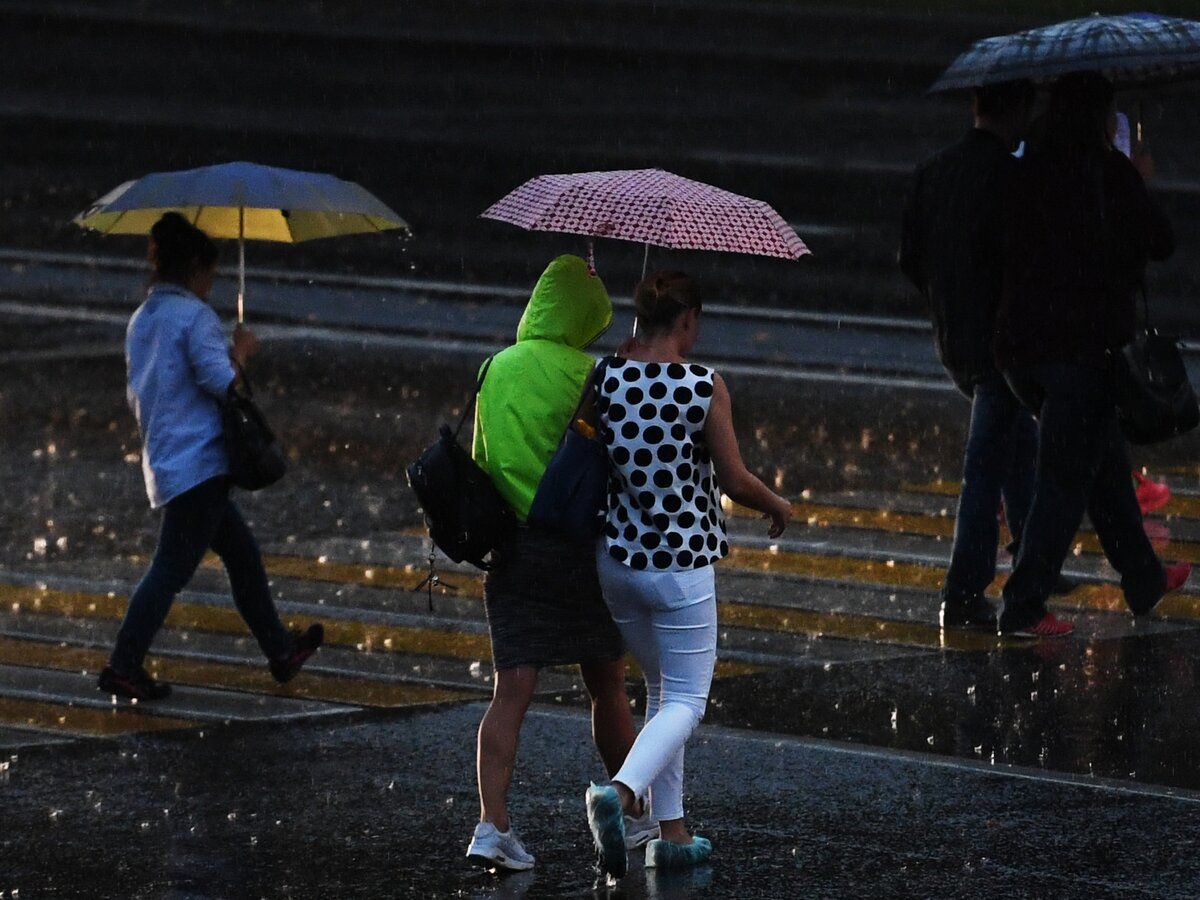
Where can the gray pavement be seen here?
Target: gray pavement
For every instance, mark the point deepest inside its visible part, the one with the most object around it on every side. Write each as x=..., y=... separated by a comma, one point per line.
x=384, y=807
x=956, y=764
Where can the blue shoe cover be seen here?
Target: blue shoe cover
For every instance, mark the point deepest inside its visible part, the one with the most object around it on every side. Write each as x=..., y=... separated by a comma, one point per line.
x=607, y=821
x=667, y=855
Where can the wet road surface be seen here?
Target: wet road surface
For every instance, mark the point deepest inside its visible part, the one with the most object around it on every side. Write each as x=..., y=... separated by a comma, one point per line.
x=849, y=741
x=379, y=807
x=850, y=747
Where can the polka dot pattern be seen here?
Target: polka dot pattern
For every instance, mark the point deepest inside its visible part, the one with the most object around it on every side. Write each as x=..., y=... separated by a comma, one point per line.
x=664, y=501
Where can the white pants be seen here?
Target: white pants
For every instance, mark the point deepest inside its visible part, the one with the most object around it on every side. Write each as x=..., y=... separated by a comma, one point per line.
x=669, y=622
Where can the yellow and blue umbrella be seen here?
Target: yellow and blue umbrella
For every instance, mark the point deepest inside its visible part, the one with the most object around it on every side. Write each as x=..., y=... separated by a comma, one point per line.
x=245, y=201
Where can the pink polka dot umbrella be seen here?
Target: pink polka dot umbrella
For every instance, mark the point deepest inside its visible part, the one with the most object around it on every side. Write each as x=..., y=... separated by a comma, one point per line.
x=651, y=206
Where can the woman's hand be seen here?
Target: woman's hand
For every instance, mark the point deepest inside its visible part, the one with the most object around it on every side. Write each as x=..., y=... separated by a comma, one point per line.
x=779, y=514
x=1142, y=161
x=245, y=345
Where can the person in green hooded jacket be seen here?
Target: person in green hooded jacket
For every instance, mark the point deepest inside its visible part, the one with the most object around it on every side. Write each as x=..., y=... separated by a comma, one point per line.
x=543, y=599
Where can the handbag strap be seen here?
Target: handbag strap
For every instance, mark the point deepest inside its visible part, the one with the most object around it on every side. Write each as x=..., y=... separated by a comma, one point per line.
x=468, y=406
x=242, y=380
x=1145, y=306
x=585, y=409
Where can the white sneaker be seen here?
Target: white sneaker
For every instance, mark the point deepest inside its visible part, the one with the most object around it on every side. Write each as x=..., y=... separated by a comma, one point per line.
x=640, y=831
x=500, y=849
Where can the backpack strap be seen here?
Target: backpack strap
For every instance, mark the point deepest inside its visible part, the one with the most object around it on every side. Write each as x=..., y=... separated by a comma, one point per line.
x=468, y=407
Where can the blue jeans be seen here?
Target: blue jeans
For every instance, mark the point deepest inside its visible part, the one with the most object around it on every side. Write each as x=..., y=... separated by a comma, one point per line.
x=1082, y=464
x=998, y=462
x=196, y=520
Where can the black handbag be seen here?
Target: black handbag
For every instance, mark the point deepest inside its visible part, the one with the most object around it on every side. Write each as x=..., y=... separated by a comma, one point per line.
x=255, y=459
x=572, y=496
x=1155, y=400
x=466, y=517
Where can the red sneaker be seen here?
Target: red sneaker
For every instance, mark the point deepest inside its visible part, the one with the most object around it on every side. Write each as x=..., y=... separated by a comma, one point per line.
x=1048, y=626
x=1177, y=575
x=1151, y=495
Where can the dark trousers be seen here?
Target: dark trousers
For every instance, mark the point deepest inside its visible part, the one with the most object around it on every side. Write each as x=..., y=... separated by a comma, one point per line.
x=998, y=462
x=1082, y=464
x=196, y=520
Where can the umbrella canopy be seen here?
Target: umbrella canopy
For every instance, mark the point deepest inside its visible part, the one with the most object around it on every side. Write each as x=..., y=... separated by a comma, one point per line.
x=1130, y=50
x=245, y=201
x=241, y=199
x=650, y=206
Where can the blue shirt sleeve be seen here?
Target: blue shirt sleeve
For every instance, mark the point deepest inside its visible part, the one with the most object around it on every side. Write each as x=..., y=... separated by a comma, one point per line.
x=208, y=354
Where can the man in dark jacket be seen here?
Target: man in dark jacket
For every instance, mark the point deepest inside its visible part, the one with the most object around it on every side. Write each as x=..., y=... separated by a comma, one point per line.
x=951, y=249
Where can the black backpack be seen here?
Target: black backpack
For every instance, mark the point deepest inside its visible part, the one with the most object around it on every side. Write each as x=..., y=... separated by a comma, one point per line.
x=465, y=514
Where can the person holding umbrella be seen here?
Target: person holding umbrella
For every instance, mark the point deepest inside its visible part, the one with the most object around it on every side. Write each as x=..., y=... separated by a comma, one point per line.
x=672, y=452
x=950, y=249
x=180, y=368
x=1079, y=229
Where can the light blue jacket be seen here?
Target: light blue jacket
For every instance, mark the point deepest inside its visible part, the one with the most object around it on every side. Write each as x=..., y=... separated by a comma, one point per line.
x=179, y=369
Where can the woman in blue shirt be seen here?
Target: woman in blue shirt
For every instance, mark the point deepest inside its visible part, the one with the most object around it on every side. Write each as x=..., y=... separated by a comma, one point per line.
x=180, y=369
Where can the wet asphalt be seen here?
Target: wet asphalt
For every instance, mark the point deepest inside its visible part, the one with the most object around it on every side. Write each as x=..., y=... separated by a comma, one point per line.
x=380, y=808
x=832, y=766
x=848, y=750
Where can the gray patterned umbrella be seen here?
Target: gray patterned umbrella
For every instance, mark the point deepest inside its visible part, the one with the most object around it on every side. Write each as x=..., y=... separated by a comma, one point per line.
x=1130, y=50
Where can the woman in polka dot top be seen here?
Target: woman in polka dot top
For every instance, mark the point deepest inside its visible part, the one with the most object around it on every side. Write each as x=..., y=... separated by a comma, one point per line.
x=672, y=452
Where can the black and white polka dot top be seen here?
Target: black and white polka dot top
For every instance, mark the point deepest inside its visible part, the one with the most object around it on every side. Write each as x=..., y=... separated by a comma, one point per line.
x=664, y=509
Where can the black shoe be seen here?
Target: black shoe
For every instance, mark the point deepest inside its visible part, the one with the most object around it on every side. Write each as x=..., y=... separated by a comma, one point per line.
x=1064, y=585
x=139, y=686
x=974, y=613
x=284, y=670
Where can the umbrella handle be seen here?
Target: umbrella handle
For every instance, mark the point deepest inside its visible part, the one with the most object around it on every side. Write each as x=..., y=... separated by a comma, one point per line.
x=241, y=301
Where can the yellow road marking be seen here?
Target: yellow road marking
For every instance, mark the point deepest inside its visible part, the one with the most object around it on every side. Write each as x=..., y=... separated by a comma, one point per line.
x=84, y=719
x=824, y=516
x=1184, y=507
x=184, y=615
x=202, y=673
x=837, y=568
x=813, y=565
x=368, y=575
x=365, y=637
x=855, y=627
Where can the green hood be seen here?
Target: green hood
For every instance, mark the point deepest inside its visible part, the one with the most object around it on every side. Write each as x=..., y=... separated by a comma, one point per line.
x=533, y=386
x=569, y=305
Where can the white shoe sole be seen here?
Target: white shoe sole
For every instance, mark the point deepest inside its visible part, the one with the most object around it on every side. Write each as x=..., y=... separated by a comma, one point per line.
x=500, y=861
x=633, y=841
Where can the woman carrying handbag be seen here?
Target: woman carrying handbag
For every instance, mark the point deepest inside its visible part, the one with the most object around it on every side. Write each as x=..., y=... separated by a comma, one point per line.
x=672, y=452
x=181, y=369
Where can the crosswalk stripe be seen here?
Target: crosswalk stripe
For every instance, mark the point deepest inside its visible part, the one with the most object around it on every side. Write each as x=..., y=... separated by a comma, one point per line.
x=364, y=636
x=1185, y=506
x=855, y=627
x=889, y=573
x=205, y=673
x=83, y=720
x=826, y=515
x=366, y=574
x=826, y=567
